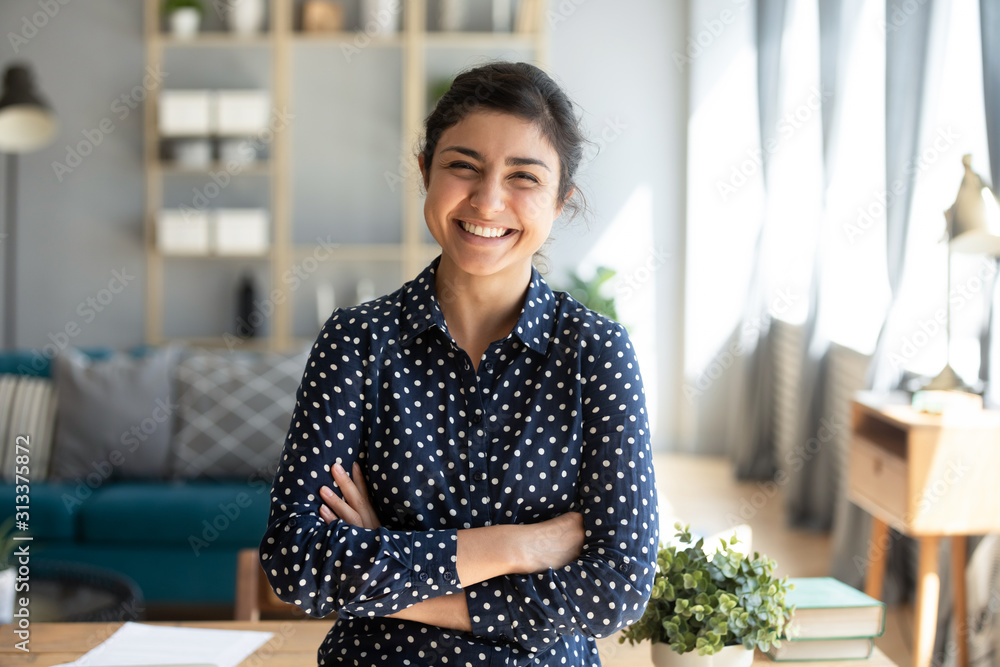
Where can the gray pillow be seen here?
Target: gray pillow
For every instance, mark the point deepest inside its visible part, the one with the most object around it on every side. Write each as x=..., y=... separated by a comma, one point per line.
x=115, y=416
x=233, y=411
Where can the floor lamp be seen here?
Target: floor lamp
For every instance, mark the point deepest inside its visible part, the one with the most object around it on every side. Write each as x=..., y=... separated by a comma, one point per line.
x=26, y=124
x=973, y=228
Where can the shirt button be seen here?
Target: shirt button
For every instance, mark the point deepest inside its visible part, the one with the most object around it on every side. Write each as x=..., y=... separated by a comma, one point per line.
x=476, y=419
x=422, y=576
x=481, y=476
x=489, y=366
x=447, y=576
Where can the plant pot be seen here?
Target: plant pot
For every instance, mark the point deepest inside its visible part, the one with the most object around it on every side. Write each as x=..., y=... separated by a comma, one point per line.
x=246, y=17
x=730, y=656
x=7, y=594
x=184, y=22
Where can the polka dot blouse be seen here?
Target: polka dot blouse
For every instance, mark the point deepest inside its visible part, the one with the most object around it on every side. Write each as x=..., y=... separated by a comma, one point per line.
x=553, y=420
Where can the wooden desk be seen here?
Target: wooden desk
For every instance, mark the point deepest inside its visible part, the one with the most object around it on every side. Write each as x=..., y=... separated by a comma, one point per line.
x=294, y=644
x=928, y=477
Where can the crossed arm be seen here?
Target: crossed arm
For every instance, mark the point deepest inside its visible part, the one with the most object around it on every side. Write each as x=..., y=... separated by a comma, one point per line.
x=483, y=553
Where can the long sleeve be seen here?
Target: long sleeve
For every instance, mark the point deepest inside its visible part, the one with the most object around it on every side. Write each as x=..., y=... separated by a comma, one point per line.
x=322, y=567
x=607, y=587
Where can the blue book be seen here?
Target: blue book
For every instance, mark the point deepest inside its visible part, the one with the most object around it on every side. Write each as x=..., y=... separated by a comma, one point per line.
x=826, y=608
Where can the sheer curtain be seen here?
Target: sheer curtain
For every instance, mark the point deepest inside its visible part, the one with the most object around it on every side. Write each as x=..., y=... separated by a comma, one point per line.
x=989, y=11
x=751, y=435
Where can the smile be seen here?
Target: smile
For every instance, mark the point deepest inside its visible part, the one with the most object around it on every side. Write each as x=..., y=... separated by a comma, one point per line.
x=485, y=232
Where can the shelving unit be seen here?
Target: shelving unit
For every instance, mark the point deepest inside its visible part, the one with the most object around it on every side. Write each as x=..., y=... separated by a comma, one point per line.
x=423, y=55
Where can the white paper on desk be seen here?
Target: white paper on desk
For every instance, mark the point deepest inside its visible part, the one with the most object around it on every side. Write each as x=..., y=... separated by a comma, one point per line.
x=143, y=644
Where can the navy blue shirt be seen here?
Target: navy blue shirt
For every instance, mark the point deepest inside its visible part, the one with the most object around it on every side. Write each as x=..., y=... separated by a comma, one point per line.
x=553, y=421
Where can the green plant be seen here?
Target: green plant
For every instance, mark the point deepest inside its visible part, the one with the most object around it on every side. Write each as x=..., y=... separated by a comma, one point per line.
x=703, y=602
x=589, y=292
x=170, y=6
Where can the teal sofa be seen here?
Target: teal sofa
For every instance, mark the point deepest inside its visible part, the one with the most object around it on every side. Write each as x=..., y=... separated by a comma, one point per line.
x=176, y=539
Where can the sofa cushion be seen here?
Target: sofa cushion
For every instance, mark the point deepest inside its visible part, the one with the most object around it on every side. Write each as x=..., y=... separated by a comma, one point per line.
x=27, y=422
x=115, y=415
x=38, y=363
x=197, y=514
x=233, y=411
x=53, y=509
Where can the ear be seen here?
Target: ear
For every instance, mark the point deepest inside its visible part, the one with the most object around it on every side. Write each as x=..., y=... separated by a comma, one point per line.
x=423, y=169
x=560, y=207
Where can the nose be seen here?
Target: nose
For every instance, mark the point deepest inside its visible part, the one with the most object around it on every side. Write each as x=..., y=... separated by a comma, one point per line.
x=488, y=196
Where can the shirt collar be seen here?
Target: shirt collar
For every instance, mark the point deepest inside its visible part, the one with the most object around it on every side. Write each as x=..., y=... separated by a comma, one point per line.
x=421, y=310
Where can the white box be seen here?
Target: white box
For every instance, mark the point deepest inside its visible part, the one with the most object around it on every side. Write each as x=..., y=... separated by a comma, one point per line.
x=241, y=231
x=241, y=112
x=186, y=113
x=182, y=232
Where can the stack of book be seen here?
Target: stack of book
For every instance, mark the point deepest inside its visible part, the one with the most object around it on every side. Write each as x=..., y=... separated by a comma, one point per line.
x=831, y=621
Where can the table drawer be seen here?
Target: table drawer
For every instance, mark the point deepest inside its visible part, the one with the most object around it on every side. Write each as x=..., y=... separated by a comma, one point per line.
x=878, y=477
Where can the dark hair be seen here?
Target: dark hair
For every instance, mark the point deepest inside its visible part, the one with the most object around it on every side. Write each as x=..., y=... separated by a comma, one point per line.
x=522, y=90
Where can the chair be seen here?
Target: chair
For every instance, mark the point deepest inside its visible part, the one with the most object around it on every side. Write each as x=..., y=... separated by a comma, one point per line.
x=254, y=594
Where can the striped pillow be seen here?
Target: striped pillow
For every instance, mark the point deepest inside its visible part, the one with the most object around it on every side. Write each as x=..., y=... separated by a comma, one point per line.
x=28, y=408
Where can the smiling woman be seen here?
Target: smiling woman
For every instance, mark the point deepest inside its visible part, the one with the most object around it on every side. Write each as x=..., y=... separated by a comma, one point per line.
x=500, y=505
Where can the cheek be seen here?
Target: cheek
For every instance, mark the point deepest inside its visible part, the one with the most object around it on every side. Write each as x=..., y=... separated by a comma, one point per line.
x=537, y=206
x=445, y=191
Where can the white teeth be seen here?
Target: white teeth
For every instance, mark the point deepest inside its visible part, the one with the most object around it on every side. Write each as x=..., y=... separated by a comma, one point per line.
x=486, y=232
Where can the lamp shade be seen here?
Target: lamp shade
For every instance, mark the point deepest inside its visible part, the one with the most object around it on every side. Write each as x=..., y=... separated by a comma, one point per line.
x=974, y=218
x=26, y=121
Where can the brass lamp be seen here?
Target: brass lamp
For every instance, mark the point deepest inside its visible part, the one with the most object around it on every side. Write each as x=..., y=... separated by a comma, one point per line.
x=973, y=228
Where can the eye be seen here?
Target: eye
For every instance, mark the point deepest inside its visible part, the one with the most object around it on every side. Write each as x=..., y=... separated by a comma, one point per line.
x=526, y=176
x=460, y=165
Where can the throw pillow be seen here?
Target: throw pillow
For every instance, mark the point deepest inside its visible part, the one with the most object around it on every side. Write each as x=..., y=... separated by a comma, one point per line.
x=115, y=415
x=27, y=408
x=233, y=411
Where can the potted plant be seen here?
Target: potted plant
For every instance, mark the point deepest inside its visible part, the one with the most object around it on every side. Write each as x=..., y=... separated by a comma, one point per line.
x=184, y=17
x=8, y=571
x=591, y=293
x=711, y=608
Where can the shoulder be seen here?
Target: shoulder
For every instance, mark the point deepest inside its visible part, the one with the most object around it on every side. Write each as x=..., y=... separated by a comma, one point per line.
x=375, y=321
x=590, y=332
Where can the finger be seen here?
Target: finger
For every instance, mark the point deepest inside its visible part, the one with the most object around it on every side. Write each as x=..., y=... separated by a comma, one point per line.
x=327, y=514
x=341, y=508
x=350, y=490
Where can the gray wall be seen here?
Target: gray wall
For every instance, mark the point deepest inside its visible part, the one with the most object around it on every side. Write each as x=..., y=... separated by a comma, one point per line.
x=614, y=59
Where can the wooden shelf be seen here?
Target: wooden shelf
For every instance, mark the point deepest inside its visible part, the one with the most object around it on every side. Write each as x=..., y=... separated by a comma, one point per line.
x=374, y=252
x=212, y=256
x=349, y=37
x=259, y=168
x=413, y=251
x=213, y=39
x=465, y=40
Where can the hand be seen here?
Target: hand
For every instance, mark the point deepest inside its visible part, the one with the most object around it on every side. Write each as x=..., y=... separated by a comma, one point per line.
x=551, y=544
x=355, y=507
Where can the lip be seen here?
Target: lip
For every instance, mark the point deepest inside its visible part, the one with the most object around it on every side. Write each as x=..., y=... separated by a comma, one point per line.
x=469, y=237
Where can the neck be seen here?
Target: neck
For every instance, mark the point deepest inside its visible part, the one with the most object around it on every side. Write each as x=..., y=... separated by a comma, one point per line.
x=481, y=309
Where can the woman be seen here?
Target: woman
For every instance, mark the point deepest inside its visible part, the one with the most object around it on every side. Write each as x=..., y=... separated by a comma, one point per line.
x=487, y=436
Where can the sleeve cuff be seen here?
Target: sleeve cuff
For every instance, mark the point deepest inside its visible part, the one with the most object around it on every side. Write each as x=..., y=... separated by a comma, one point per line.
x=432, y=563
x=489, y=612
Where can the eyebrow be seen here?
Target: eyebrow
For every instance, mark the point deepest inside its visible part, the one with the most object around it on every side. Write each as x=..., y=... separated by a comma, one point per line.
x=510, y=162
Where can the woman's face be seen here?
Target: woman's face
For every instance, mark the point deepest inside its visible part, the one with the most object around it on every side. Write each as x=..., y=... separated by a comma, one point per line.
x=492, y=192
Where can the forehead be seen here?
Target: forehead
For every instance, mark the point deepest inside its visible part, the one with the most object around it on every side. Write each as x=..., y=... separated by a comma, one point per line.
x=498, y=135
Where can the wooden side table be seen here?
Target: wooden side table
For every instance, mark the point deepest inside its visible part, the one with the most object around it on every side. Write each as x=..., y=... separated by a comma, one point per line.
x=929, y=477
